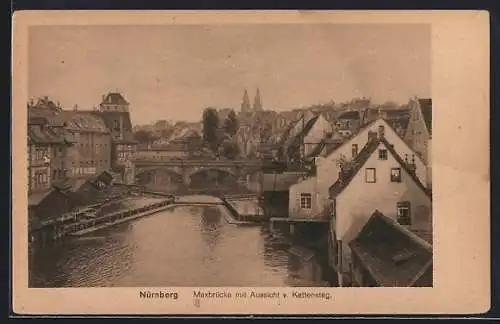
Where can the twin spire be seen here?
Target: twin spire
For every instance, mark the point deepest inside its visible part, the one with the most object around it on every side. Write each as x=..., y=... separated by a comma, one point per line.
x=245, y=103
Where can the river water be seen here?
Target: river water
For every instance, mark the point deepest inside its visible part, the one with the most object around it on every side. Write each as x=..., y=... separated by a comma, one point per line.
x=182, y=246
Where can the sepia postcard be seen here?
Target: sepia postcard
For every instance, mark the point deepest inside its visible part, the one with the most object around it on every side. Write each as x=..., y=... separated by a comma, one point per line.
x=257, y=162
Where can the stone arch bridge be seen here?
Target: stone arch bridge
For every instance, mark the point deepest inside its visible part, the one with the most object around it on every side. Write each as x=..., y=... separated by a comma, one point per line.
x=185, y=170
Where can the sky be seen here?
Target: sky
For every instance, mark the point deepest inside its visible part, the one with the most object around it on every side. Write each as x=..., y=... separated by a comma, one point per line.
x=173, y=72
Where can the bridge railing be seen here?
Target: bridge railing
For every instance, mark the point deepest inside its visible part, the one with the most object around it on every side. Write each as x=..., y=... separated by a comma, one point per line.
x=198, y=162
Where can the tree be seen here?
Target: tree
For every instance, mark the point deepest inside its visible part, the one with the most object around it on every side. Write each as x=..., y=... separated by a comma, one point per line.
x=231, y=124
x=230, y=149
x=143, y=136
x=210, y=127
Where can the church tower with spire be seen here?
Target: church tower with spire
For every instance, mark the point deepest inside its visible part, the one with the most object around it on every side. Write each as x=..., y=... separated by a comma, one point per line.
x=245, y=102
x=257, y=103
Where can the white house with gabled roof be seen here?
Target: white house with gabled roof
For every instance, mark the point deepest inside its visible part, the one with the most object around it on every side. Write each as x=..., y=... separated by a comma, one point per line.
x=308, y=198
x=377, y=179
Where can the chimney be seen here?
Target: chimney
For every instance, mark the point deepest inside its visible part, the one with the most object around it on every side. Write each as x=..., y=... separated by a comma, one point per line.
x=381, y=131
x=371, y=136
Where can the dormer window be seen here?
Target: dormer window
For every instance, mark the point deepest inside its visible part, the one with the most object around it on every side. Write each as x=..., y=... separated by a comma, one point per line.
x=382, y=154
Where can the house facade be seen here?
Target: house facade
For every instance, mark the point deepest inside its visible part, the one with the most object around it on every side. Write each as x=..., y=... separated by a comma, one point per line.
x=349, y=122
x=115, y=112
x=328, y=165
x=377, y=179
x=41, y=145
x=91, y=153
x=303, y=138
x=317, y=132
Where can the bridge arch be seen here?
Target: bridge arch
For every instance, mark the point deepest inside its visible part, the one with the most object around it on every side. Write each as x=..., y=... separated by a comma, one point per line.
x=209, y=177
x=159, y=176
x=202, y=169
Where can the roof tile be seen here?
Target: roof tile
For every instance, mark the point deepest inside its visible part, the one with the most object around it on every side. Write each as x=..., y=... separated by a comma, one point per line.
x=391, y=254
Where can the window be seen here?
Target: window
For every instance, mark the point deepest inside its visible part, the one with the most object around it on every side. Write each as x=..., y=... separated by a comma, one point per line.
x=382, y=154
x=54, y=174
x=370, y=175
x=40, y=153
x=403, y=215
x=354, y=150
x=305, y=200
x=396, y=175
x=116, y=124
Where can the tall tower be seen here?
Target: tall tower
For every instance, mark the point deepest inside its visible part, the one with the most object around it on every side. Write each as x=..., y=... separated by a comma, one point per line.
x=245, y=102
x=257, y=103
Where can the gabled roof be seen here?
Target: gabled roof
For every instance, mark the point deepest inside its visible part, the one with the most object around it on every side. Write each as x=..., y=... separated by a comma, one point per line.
x=40, y=132
x=86, y=121
x=328, y=145
x=404, y=165
x=114, y=98
x=391, y=254
x=45, y=103
x=347, y=175
x=303, y=118
x=317, y=149
x=34, y=199
x=401, y=121
x=426, y=108
x=354, y=166
x=297, y=140
x=363, y=128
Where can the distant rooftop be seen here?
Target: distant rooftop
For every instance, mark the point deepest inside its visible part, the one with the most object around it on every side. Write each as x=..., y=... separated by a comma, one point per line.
x=114, y=98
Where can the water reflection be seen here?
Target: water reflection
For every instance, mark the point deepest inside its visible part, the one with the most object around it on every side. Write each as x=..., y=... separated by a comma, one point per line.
x=183, y=246
x=211, y=226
